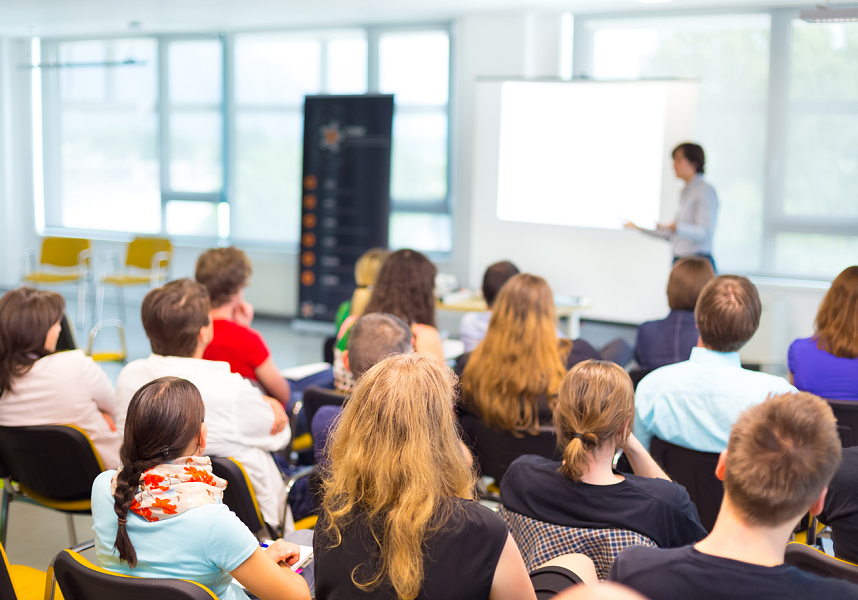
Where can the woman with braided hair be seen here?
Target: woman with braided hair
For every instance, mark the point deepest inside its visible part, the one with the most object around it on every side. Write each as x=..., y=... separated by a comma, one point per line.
x=161, y=514
x=593, y=418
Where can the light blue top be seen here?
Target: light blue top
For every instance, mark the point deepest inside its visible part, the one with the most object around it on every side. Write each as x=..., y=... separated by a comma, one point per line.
x=695, y=220
x=695, y=403
x=203, y=544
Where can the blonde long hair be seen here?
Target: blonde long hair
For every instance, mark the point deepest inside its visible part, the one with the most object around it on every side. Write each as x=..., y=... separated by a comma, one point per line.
x=395, y=460
x=366, y=271
x=519, y=359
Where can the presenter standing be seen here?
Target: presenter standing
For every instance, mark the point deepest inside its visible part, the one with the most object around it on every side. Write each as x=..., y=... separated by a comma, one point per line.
x=691, y=232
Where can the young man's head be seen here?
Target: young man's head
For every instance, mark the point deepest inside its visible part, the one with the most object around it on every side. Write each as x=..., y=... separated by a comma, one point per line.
x=224, y=272
x=687, y=279
x=176, y=318
x=727, y=313
x=781, y=455
x=494, y=278
x=373, y=338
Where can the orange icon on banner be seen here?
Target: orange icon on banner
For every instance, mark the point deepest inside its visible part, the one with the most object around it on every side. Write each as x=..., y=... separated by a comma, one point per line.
x=309, y=202
x=310, y=182
x=309, y=220
x=308, y=259
x=307, y=278
x=308, y=240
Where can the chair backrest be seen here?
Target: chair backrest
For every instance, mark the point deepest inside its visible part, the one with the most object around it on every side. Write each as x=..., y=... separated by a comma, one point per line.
x=58, y=462
x=79, y=579
x=316, y=397
x=539, y=541
x=846, y=413
x=7, y=590
x=495, y=450
x=637, y=374
x=808, y=558
x=239, y=495
x=62, y=252
x=695, y=471
x=142, y=249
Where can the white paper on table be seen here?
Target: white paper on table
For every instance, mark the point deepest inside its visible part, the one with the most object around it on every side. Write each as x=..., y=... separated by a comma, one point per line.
x=302, y=371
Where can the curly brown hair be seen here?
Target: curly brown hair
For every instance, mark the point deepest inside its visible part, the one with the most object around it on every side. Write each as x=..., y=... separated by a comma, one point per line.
x=405, y=287
x=224, y=271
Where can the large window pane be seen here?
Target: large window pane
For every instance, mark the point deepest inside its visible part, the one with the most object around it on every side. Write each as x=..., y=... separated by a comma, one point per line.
x=268, y=150
x=824, y=61
x=419, y=161
x=135, y=84
x=192, y=218
x=814, y=255
x=83, y=83
x=427, y=232
x=415, y=67
x=196, y=72
x=347, y=66
x=275, y=69
x=195, y=151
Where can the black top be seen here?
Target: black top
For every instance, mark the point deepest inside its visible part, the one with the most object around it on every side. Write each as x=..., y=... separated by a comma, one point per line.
x=656, y=508
x=685, y=573
x=459, y=560
x=841, y=507
x=666, y=342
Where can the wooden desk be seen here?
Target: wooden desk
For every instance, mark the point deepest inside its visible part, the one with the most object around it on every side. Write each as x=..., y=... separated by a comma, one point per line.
x=569, y=312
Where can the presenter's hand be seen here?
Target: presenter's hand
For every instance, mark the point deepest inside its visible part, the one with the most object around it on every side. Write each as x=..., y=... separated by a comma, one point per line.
x=669, y=226
x=243, y=314
x=630, y=225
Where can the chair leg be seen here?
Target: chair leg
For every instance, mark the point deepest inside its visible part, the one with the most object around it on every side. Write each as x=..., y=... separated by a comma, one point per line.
x=4, y=514
x=120, y=298
x=72, y=535
x=81, y=303
x=99, y=302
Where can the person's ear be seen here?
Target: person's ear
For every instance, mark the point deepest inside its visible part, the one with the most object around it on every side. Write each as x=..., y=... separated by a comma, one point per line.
x=816, y=507
x=204, y=435
x=346, y=360
x=206, y=334
x=721, y=467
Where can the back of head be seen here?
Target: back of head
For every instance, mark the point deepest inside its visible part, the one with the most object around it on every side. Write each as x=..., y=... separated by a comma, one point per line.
x=727, y=313
x=224, y=271
x=374, y=337
x=26, y=316
x=694, y=153
x=780, y=456
x=173, y=315
x=163, y=420
x=394, y=458
x=519, y=359
x=366, y=272
x=494, y=278
x=405, y=287
x=687, y=279
x=837, y=319
x=595, y=406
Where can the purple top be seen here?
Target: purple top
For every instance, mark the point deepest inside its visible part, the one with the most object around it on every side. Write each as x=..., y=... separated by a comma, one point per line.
x=818, y=372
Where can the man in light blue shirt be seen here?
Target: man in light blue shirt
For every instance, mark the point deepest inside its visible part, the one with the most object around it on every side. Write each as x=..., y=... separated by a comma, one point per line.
x=695, y=403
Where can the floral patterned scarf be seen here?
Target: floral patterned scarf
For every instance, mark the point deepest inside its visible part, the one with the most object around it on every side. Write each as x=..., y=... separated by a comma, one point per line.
x=171, y=488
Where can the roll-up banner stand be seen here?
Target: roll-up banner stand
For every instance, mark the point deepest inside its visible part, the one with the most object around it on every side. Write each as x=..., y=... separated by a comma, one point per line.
x=345, y=204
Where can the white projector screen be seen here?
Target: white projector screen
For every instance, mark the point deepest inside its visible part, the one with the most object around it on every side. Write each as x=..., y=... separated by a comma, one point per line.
x=586, y=154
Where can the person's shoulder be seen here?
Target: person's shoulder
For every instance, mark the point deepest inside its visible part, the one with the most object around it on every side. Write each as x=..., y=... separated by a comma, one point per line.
x=817, y=586
x=803, y=346
x=528, y=463
x=479, y=518
x=101, y=487
x=636, y=559
x=669, y=492
x=662, y=375
x=774, y=383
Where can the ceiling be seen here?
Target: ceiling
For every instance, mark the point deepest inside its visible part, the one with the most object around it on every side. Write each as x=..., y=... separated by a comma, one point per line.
x=86, y=17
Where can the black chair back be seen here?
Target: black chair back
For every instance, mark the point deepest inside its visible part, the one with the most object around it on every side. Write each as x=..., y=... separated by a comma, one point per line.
x=239, y=495
x=638, y=374
x=328, y=350
x=811, y=560
x=846, y=413
x=696, y=472
x=81, y=580
x=316, y=397
x=55, y=461
x=495, y=450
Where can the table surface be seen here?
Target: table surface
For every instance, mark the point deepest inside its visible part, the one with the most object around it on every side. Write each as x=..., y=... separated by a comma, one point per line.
x=478, y=304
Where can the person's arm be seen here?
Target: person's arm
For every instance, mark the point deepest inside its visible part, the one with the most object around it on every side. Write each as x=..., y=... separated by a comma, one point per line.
x=426, y=339
x=705, y=213
x=281, y=419
x=100, y=388
x=270, y=378
x=642, y=463
x=256, y=417
x=265, y=578
x=511, y=580
x=243, y=313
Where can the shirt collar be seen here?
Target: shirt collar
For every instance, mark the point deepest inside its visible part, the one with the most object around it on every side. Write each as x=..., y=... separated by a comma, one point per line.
x=710, y=357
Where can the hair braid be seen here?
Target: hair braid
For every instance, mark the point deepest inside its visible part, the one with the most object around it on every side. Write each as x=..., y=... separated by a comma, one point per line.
x=127, y=484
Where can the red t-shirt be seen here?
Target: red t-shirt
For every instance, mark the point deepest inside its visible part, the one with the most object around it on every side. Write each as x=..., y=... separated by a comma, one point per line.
x=242, y=347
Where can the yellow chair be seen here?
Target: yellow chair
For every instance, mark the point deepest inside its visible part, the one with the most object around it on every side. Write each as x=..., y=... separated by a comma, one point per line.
x=109, y=355
x=147, y=262
x=18, y=582
x=68, y=261
x=813, y=560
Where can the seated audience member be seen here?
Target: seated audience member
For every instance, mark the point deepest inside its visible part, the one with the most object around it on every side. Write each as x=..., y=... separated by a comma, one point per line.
x=39, y=386
x=670, y=340
x=841, y=507
x=510, y=381
x=398, y=519
x=405, y=288
x=242, y=423
x=225, y=273
x=694, y=403
x=826, y=364
x=161, y=515
x=475, y=324
x=366, y=272
x=781, y=455
x=593, y=419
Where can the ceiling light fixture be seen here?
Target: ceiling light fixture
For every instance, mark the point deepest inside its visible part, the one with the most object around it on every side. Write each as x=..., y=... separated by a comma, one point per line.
x=822, y=14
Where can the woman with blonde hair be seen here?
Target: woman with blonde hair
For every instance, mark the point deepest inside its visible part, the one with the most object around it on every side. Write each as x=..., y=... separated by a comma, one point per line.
x=826, y=364
x=593, y=419
x=398, y=519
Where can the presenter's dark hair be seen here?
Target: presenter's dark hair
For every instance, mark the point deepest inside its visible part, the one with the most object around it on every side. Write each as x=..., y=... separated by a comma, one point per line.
x=694, y=153
x=164, y=417
x=727, y=313
x=405, y=287
x=173, y=315
x=686, y=281
x=497, y=275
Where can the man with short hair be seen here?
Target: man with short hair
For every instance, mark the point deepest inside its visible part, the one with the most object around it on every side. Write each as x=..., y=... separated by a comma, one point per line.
x=781, y=456
x=373, y=338
x=475, y=324
x=242, y=423
x=694, y=403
